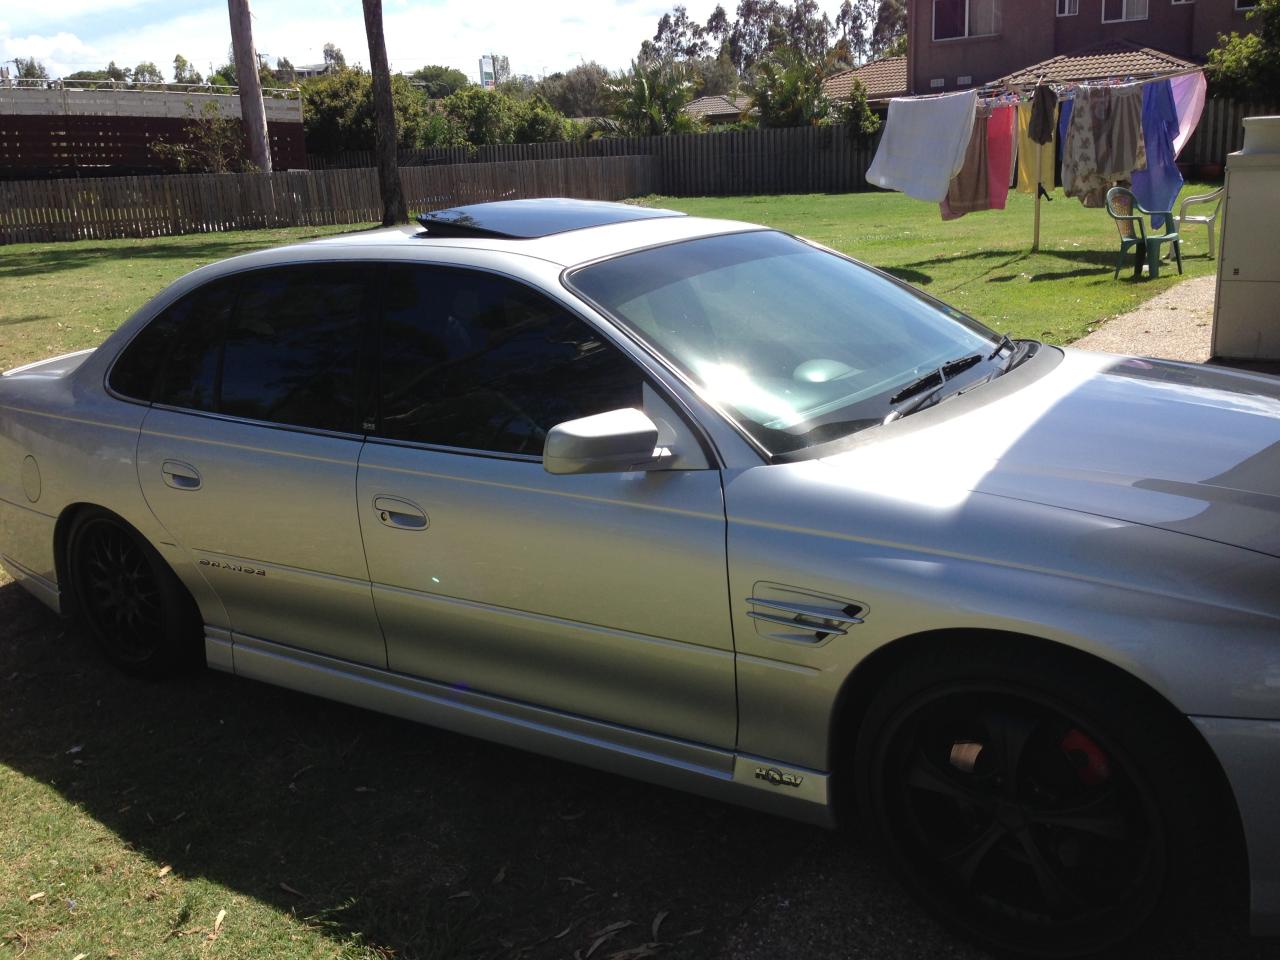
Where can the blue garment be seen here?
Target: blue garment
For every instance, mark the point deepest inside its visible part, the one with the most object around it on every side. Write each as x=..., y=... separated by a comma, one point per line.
x=1064, y=121
x=1157, y=186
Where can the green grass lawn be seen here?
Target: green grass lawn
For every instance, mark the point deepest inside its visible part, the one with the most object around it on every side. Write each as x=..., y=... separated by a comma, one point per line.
x=981, y=263
x=56, y=297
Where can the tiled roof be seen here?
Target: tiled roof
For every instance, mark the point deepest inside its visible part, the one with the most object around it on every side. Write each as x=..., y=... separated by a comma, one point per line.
x=718, y=106
x=1112, y=58
x=883, y=79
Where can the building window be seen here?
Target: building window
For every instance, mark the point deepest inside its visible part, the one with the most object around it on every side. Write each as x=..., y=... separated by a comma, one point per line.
x=1181, y=3
x=953, y=19
x=1246, y=4
x=1115, y=11
x=1069, y=8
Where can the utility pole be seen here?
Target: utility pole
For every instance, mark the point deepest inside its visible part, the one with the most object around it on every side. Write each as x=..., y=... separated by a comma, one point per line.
x=252, y=112
x=393, y=205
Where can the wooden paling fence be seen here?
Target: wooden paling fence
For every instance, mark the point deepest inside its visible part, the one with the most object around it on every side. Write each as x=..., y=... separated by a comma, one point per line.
x=793, y=160
x=1221, y=129
x=43, y=210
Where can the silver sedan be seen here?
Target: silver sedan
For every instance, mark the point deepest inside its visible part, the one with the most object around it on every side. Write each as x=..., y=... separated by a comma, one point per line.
x=707, y=504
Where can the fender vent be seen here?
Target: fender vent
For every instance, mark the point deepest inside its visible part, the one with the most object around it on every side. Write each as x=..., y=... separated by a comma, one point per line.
x=782, y=613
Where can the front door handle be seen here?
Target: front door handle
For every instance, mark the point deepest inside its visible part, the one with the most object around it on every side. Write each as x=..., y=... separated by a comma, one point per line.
x=400, y=514
x=180, y=476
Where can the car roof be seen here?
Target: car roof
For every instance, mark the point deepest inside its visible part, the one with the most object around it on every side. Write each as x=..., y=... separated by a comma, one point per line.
x=613, y=232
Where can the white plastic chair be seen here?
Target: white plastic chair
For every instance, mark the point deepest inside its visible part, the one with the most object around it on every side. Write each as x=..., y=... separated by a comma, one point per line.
x=1209, y=221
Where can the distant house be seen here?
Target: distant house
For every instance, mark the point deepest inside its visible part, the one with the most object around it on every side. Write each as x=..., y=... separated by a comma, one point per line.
x=954, y=44
x=719, y=109
x=308, y=70
x=883, y=79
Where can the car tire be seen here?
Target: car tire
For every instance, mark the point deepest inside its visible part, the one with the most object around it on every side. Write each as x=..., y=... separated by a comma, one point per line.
x=128, y=600
x=1046, y=806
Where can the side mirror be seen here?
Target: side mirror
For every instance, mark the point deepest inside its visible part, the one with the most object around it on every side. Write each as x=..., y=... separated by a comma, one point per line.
x=612, y=442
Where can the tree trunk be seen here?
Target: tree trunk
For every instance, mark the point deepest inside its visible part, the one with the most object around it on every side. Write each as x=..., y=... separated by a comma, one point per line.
x=393, y=206
x=252, y=112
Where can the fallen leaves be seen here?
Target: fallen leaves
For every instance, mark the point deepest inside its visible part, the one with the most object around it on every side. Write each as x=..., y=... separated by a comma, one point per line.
x=35, y=896
x=164, y=871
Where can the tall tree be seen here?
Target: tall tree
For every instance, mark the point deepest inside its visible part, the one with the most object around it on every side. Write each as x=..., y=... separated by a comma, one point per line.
x=147, y=72
x=649, y=99
x=29, y=68
x=285, y=72
x=393, y=206
x=890, y=27
x=333, y=58
x=786, y=90
x=438, y=81
x=580, y=92
x=184, y=72
x=1248, y=65
x=252, y=111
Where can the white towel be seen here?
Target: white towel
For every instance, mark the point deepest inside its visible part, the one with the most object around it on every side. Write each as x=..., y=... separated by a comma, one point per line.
x=923, y=145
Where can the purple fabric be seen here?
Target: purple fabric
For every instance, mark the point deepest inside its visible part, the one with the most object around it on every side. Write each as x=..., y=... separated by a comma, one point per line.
x=1188, y=95
x=1064, y=121
x=1157, y=186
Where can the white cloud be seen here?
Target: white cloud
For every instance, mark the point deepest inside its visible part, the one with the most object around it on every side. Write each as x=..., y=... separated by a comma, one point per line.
x=55, y=52
x=537, y=37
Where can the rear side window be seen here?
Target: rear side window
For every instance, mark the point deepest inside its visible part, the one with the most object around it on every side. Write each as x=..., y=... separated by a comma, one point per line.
x=174, y=360
x=280, y=345
x=481, y=362
x=292, y=347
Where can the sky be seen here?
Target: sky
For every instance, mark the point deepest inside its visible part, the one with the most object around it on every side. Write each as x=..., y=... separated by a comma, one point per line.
x=538, y=37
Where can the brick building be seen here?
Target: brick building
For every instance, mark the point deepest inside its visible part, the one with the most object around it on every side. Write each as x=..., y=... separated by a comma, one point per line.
x=954, y=44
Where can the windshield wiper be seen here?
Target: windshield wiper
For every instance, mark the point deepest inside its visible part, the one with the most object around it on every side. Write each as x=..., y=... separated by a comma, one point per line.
x=1004, y=344
x=921, y=392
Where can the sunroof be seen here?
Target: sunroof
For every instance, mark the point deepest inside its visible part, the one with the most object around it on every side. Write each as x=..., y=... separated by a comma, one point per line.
x=527, y=219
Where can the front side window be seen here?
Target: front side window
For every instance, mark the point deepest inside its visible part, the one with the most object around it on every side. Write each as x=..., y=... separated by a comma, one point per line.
x=1069, y=8
x=1114, y=11
x=797, y=345
x=481, y=362
x=953, y=19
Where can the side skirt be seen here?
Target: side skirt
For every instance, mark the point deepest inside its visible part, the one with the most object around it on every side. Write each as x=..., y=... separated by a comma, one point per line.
x=760, y=783
x=43, y=590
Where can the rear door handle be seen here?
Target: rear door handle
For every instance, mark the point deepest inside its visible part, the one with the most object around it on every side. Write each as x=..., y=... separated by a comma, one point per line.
x=400, y=514
x=180, y=476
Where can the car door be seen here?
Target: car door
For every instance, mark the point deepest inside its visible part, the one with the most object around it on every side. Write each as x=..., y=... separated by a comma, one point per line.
x=602, y=596
x=248, y=456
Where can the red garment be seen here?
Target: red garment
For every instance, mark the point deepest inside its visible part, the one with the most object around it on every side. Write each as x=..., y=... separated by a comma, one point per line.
x=983, y=181
x=1000, y=135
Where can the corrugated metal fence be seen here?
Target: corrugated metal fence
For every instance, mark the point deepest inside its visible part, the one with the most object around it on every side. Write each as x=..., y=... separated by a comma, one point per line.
x=41, y=210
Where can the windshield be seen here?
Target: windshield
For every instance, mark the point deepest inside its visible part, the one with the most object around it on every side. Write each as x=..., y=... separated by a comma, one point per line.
x=798, y=345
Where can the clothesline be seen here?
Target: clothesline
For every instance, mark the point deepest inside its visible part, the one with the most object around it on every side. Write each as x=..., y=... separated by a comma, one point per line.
x=950, y=148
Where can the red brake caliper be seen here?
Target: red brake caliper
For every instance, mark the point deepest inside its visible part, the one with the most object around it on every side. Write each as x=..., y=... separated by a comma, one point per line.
x=1090, y=762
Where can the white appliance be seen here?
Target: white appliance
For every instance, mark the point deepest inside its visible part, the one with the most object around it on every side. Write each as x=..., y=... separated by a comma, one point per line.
x=1246, y=319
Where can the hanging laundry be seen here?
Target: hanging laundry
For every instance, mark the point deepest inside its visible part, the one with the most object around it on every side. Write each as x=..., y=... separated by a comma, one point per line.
x=1000, y=130
x=970, y=188
x=1064, y=121
x=1044, y=111
x=1188, y=97
x=1027, y=149
x=1104, y=141
x=1157, y=186
x=983, y=180
x=924, y=145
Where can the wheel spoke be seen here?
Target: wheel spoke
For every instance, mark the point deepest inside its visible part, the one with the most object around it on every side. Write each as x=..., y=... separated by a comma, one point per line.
x=966, y=858
x=1096, y=816
x=923, y=774
x=1057, y=894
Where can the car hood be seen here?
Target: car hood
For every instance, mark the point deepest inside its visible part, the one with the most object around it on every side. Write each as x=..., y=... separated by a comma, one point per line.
x=1188, y=448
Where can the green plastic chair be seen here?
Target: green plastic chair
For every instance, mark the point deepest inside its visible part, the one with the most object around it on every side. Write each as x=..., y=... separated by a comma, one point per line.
x=1130, y=217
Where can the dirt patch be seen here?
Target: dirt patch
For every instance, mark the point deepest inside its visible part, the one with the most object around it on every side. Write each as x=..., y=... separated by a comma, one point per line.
x=1174, y=325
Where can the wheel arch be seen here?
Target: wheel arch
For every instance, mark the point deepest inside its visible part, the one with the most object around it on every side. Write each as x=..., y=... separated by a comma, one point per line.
x=858, y=690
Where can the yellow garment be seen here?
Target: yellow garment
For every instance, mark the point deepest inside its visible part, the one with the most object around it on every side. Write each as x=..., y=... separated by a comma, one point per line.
x=1027, y=154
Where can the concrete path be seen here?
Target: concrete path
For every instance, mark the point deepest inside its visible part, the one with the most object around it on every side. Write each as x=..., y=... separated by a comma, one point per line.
x=1174, y=325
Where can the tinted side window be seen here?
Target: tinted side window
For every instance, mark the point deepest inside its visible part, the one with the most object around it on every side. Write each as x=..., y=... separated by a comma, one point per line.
x=477, y=361
x=292, y=347
x=174, y=360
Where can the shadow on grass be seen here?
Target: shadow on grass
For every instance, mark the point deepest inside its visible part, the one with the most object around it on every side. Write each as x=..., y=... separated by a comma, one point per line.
x=416, y=843
x=1088, y=263
x=78, y=254
x=394, y=835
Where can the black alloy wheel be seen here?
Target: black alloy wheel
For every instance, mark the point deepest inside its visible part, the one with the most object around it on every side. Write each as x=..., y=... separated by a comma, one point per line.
x=132, y=604
x=1042, y=824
